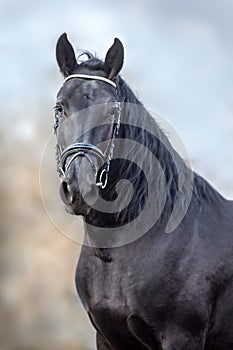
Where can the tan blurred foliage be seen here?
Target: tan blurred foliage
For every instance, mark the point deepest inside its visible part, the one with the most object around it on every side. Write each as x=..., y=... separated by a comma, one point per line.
x=40, y=309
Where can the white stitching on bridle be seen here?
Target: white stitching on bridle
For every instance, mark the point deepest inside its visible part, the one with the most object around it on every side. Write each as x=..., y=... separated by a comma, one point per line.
x=93, y=77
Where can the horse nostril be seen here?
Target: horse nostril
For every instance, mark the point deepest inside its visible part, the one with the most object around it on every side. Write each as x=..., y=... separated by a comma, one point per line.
x=66, y=193
x=70, y=192
x=89, y=193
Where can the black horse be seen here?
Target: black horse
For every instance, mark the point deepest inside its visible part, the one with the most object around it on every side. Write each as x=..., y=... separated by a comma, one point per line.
x=150, y=276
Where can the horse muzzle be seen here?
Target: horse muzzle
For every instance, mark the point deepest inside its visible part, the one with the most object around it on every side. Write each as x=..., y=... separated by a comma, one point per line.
x=79, y=171
x=78, y=200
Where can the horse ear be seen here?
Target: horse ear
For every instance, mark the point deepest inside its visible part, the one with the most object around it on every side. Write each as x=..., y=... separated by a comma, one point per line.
x=65, y=56
x=114, y=59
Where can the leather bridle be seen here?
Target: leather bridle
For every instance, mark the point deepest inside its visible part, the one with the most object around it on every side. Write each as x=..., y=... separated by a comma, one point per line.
x=87, y=149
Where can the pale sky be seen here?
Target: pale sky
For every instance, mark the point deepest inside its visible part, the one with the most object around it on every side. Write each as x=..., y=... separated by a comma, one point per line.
x=179, y=60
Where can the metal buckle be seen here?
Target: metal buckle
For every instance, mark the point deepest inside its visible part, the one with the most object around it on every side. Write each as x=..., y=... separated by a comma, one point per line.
x=102, y=184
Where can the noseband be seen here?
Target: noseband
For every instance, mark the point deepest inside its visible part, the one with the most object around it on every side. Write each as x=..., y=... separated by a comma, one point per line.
x=87, y=149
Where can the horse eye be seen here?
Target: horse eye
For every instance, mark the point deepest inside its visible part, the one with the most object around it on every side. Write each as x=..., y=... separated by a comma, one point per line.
x=58, y=109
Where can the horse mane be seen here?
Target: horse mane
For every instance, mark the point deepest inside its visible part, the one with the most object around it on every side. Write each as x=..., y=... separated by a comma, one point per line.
x=174, y=167
x=93, y=63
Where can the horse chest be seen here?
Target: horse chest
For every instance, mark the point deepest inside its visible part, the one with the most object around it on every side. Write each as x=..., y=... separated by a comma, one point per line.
x=114, y=302
x=108, y=313
x=105, y=290
x=109, y=297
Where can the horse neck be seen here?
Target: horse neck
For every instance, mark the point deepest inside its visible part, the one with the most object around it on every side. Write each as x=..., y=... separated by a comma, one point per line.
x=143, y=143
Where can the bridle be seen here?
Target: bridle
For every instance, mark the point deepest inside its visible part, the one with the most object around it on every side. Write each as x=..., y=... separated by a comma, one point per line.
x=87, y=149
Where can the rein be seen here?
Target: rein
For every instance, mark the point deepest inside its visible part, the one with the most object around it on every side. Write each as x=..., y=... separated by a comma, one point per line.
x=87, y=149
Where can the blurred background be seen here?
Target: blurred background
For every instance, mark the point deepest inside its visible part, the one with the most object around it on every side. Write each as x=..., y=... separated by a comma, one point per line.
x=179, y=61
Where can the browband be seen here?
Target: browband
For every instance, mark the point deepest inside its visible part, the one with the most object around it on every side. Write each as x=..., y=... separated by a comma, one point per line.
x=86, y=76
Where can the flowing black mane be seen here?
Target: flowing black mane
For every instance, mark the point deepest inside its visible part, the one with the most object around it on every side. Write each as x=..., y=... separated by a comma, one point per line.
x=173, y=165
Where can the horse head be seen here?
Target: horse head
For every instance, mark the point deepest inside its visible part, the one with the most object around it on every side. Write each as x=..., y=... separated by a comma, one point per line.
x=87, y=119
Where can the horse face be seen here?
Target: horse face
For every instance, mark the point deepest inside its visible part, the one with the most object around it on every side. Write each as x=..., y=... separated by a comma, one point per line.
x=86, y=112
